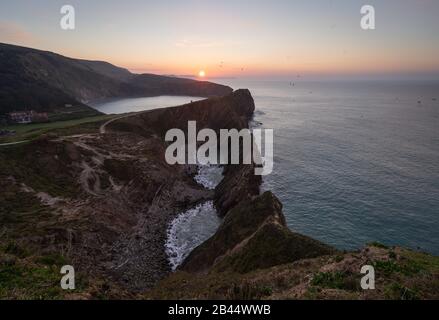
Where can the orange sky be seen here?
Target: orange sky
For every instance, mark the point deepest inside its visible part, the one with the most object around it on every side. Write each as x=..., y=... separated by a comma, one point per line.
x=235, y=38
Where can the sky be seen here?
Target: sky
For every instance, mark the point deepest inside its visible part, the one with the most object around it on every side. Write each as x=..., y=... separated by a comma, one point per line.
x=240, y=38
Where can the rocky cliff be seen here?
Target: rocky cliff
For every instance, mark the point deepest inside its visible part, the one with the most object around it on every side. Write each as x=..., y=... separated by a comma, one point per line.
x=106, y=199
x=102, y=200
x=253, y=236
x=228, y=112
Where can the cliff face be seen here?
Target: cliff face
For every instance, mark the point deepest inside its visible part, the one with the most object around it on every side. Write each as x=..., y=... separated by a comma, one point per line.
x=253, y=236
x=239, y=184
x=155, y=85
x=253, y=255
x=103, y=201
x=253, y=224
x=108, y=198
x=44, y=81
x=228, y=112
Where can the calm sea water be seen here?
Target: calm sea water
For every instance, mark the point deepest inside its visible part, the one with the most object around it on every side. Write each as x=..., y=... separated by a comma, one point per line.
x=116, y=106
x=354, y=162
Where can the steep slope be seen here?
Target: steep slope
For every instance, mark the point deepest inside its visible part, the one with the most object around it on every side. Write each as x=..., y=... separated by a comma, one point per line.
x=102, y=203
x=231, y=111
x=44, y=81
x=401, y=274
x=104, y=200
x=153, y=85
x=253, y=236
x=106, y=69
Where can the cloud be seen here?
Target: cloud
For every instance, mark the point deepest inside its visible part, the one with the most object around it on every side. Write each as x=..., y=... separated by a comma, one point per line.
x=11, y=32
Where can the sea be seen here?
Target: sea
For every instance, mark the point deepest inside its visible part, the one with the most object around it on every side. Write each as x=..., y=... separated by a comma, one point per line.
x=354, y=161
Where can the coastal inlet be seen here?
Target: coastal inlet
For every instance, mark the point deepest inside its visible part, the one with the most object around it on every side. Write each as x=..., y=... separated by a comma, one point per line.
x=194, y=226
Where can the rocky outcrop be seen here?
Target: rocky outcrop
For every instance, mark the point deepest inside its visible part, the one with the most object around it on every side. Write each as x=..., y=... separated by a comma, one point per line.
x=113, y=193
x=106, y=199
x=400, y=274
x=155, y=85
x=106, y=202
x=229, y=112
x=252, y=224
x=239, y=184
x=253, y=236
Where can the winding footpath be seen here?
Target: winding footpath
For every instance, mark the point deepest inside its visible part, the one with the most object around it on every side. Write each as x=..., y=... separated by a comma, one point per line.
x=102, y=128
x=13, y=143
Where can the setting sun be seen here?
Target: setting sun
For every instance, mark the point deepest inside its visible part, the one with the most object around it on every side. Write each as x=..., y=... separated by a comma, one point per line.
x=202, y=74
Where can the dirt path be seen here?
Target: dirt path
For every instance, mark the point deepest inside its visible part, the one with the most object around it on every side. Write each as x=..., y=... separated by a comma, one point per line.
x=103, y=129
x=13, y=143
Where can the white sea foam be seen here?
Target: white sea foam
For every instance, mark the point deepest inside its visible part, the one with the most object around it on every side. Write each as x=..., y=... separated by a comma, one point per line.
x=190, y=229
x=209, y=176
x=194, y=226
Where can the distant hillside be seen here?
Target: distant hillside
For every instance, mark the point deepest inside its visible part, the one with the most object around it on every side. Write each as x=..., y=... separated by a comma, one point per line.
x=45, y=81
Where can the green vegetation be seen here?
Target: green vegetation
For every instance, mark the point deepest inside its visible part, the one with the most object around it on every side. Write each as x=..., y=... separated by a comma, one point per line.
x=248, y=291
x=53, y=259
x=377, y=245
x=397, y=291
x=228, y=286
x=32, y=131
x=27, y=274
x=411, y=275
x=18, y=206
x=419, y=260
x=23, y=276
x=14, y=249
x=30, y=282
x=336, y=280
x=333, y=280
x=392, y=255
x=387, y=268
x=40, y=172
x=267, y=243
x=272, y=245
